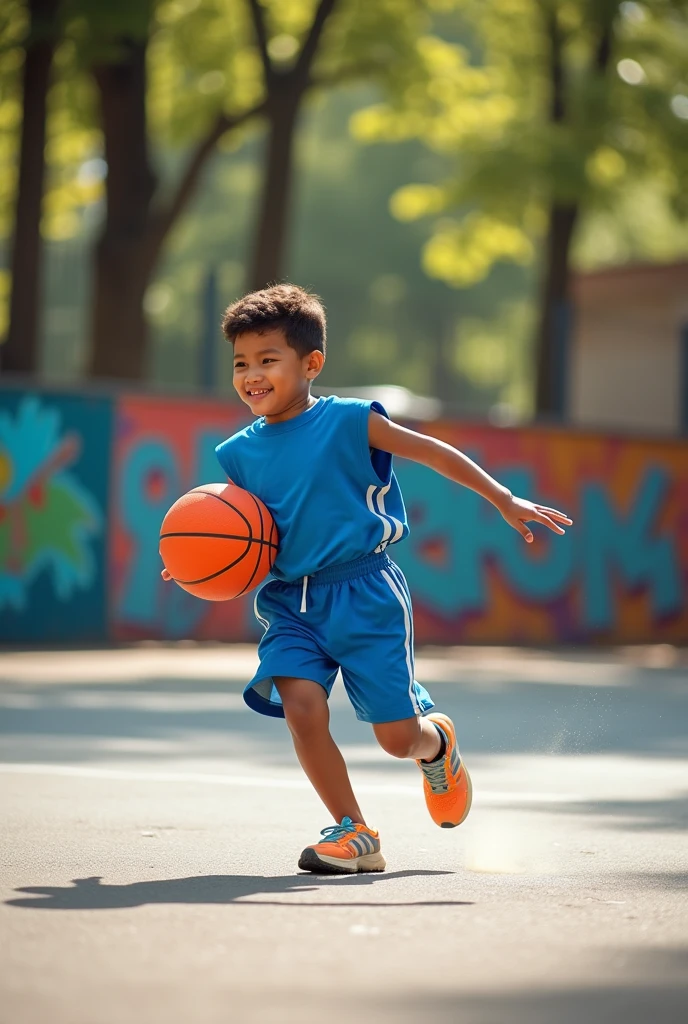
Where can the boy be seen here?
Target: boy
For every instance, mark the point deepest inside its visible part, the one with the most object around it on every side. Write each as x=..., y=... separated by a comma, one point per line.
x=323, y=466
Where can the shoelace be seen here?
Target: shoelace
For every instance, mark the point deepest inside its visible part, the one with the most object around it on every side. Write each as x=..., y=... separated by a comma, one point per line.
x=335, y=833
x=436, y=775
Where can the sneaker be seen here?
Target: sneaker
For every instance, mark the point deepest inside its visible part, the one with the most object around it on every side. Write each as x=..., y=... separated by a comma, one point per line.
x=344, y=850
x=446, y=783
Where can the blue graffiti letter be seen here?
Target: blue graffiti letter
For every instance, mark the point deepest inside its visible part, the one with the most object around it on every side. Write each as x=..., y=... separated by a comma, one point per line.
x=612, y=542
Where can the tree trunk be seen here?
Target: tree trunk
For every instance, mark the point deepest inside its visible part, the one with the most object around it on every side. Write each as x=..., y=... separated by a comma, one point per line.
x=554, y=323
x=20, y=353
x=285, y=92
x=133, y=235
x=125, y=252
x=118, y=323
x=269, y=251
x=555, y=310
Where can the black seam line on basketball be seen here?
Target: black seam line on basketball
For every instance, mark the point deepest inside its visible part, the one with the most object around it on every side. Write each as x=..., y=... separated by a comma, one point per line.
x=249, y=530
x=213, y=575
x=260, y=515
x=225, y=502
x=260, y=551
x=220, y=536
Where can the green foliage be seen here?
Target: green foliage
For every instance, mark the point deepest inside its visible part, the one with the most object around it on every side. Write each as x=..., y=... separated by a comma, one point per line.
x=388, y=321
x=13, y=29
x=202, y=61
x=463, y=90
x=487, y=102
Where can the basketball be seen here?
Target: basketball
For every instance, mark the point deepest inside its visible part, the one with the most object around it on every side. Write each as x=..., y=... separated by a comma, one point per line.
x=218, y=541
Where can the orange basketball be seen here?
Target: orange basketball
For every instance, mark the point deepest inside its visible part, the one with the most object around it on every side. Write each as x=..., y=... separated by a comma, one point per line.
x=218, y=541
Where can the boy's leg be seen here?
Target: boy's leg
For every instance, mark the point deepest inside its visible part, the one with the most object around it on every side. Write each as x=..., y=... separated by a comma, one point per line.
x=411, y=737
x=308, y=718
x=446, y=782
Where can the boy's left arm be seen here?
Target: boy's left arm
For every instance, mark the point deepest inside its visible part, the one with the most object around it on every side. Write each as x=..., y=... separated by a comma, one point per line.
x=437, y=455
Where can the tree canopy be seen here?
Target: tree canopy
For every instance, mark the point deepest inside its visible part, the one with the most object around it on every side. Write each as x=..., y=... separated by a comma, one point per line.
x=487, y=105
x=500, y=112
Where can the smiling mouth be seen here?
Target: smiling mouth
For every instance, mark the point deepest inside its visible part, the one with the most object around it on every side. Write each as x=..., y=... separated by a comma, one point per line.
x=258, y=392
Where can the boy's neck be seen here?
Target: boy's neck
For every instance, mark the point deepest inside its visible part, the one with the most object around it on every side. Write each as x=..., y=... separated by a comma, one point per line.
x=299, y=405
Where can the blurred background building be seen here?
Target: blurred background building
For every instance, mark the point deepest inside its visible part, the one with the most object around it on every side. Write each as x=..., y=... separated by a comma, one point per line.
x=629, y=363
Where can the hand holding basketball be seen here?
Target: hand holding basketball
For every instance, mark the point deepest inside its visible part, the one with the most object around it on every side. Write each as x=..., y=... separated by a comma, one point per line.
x=218, y=541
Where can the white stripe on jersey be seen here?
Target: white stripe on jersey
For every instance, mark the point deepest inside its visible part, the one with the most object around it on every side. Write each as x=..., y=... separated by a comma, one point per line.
x=393, y=529
x=398, y=527
x=387, y=527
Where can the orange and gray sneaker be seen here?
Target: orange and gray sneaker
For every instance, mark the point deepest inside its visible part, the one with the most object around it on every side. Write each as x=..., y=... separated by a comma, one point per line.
x=446, y=783
x=344, y=850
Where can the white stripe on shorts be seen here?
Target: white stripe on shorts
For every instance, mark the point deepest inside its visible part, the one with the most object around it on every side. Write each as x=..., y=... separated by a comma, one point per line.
x=403, y=586
x=264, y=622
x=394, y=587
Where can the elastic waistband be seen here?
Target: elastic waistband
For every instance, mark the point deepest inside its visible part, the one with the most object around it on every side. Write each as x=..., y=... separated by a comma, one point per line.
x=348, y=570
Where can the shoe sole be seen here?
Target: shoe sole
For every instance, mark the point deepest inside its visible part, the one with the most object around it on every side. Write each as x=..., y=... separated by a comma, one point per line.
x=310, y=861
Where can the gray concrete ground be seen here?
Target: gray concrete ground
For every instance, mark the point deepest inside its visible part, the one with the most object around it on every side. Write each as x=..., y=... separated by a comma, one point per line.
x=151, y=827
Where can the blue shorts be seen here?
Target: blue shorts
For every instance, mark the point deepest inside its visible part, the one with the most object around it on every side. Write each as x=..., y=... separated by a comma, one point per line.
x=355, y=617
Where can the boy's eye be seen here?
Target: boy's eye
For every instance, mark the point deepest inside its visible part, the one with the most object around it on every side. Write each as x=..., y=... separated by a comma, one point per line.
x=239, y=366
x=267, y=359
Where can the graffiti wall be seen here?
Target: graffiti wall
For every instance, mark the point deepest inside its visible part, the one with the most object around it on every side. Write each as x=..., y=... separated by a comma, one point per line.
x=85, y=482
x=620, y=575
x=162, y=448
x=53, y=513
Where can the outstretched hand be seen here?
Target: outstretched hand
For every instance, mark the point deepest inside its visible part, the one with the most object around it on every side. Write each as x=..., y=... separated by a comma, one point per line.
x=518, y=512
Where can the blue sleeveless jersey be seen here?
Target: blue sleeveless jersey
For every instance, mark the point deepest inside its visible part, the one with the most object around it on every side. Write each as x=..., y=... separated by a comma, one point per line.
x=334, y=499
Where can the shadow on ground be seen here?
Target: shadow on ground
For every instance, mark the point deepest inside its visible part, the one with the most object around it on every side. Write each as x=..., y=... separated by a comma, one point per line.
x=91, y=894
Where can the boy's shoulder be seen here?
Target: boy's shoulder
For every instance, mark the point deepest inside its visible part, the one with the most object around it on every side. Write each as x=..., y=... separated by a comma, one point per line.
x=334, y=407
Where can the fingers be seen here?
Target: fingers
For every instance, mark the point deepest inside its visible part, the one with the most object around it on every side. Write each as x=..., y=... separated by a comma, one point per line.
x=166, y=575
x=538, y=517
x=549, y=523
x=526, y=511
x=523, y=530
x=560, y=517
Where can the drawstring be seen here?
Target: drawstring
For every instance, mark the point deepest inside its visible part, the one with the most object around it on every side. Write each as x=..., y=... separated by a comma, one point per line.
x=303, y=594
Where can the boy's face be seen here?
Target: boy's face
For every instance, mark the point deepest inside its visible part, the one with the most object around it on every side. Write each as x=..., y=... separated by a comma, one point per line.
x=271, y=377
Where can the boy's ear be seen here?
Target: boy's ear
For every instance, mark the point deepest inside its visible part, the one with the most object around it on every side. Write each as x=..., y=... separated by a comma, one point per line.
x=314, y=364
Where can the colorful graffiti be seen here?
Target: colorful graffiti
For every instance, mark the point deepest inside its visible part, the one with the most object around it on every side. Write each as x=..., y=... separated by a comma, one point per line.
x=163, y=448
x=53, y=500
x=619, y=576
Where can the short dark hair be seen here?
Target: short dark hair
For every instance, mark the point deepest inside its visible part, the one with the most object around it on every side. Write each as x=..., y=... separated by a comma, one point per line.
x=298, y=313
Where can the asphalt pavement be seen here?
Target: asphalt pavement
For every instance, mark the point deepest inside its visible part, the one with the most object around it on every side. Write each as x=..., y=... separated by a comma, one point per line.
x=151, y=826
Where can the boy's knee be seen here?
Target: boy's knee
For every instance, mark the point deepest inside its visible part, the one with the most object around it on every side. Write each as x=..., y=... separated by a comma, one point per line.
x=398, y=746
x=399, y=742
x=305, y=709
x=302, y=716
